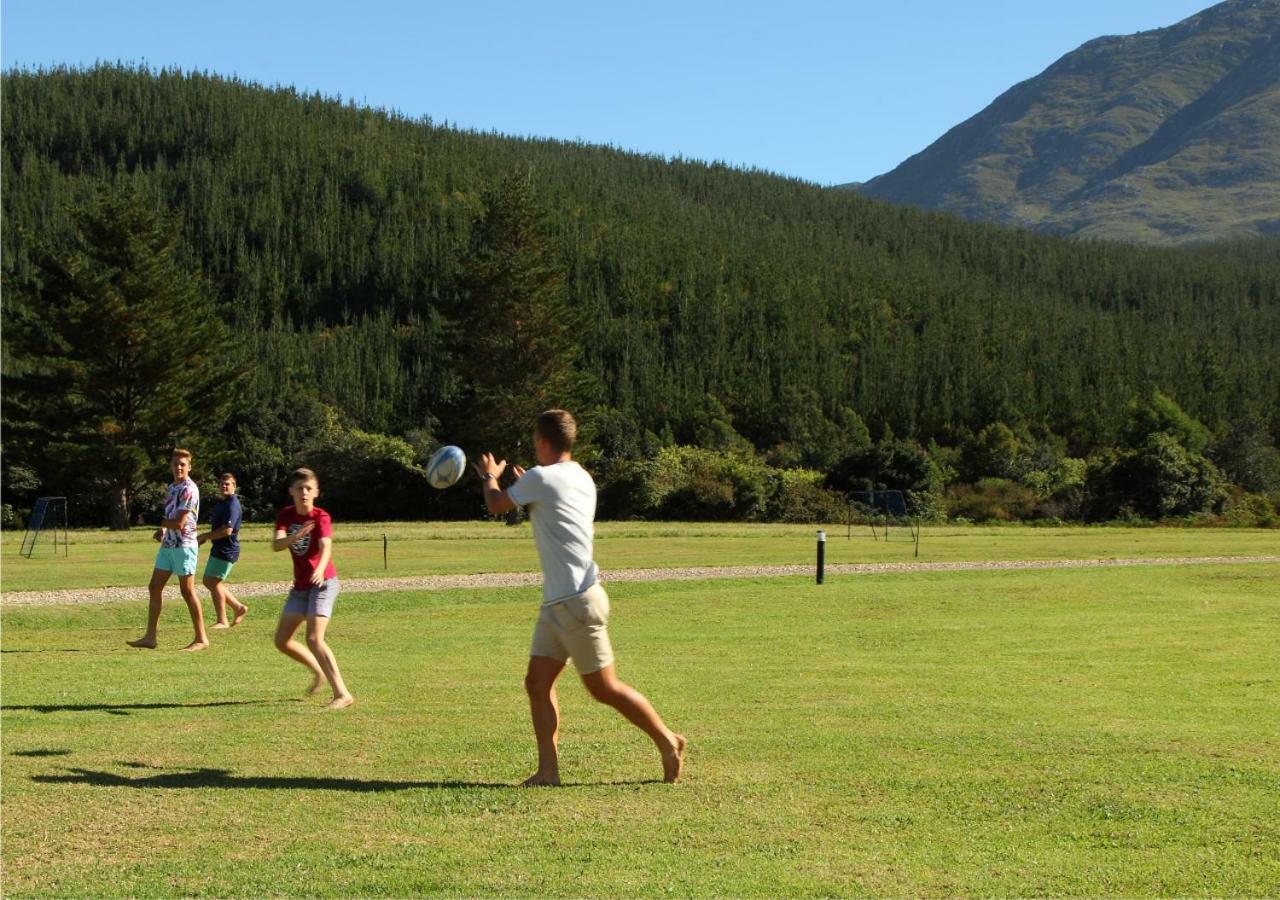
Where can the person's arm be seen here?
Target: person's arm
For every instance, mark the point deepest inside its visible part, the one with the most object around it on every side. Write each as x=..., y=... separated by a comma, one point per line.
x=496, y=500
x=216, y=535
x=186, y=503
x=176, y=522
x=326, y=553
x=283, y=539
x=221, y=525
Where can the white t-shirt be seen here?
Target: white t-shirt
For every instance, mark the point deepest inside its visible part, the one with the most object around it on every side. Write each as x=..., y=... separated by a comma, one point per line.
x=561, y=499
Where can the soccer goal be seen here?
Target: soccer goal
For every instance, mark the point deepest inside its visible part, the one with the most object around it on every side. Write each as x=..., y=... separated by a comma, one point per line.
x=886, y=514
x=48, y=515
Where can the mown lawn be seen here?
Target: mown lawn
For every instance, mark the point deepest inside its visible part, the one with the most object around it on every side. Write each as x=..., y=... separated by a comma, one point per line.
x=100, y=558
x=1073, y=732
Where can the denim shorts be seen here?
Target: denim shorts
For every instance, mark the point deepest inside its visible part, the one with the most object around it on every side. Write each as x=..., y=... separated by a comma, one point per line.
x=316, y=600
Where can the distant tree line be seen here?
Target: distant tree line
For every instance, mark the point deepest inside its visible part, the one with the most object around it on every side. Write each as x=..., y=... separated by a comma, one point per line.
x=349, y=288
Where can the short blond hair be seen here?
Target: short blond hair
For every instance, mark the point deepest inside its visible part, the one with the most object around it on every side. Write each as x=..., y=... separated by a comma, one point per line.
x=558, y=428
x=182, y=452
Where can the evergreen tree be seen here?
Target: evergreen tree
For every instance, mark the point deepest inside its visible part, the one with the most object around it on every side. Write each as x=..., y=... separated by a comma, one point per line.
x=1245, y=456
x=124, y=356
x=339, y=241
x=516, y=338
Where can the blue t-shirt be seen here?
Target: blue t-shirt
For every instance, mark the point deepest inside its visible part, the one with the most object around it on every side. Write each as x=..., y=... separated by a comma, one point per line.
x=227, y=513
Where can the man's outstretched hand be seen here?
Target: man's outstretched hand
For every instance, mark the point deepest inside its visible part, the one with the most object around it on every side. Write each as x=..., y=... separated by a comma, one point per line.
x=487, y=465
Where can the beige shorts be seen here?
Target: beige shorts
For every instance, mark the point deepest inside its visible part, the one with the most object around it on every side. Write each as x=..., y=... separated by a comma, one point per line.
x=576, y=628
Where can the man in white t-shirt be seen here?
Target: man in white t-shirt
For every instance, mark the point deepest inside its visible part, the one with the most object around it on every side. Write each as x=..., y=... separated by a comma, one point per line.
x=573, y=621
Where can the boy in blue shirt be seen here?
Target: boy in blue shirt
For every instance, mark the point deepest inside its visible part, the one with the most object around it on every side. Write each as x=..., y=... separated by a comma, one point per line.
x=224, y=532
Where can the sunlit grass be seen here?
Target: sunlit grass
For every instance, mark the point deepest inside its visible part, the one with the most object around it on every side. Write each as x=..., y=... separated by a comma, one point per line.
x=999, y=733
x=102, y=558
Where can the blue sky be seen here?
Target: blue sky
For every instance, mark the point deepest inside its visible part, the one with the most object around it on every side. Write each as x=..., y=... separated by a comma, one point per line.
x=825, y=91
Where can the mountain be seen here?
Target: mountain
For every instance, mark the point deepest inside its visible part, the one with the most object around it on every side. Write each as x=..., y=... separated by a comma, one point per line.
x=1166, y=136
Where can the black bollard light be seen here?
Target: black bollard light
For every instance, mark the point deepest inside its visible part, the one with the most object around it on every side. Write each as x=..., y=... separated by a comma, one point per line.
x=822, y=554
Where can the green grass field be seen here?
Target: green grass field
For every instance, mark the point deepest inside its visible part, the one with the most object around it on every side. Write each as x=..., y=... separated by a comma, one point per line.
x=1074, y=732
x=103, y=559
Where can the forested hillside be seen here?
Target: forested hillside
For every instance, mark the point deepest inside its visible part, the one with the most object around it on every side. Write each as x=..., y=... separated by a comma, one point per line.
x=356, y=258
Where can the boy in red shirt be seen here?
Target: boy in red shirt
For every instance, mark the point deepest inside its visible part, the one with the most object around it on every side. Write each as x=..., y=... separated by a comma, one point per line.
x=307, y=531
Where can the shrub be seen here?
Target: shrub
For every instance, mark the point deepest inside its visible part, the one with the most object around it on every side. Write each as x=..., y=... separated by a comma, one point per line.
x=893, y=465
x=1246, y=510
x=687, y=483
x=696, y=484
x=991, y=499
x=1160, y=415
x=797, y=495
x=705, y=485
x=1245, y=456
x=1161, y=479
x=995, y=452
x=369, y=477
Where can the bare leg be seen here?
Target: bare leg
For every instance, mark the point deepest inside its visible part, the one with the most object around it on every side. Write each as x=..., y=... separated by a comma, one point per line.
x=540, y=683
x=219, y=600
x=316, y=626
x=240, y=609
x=605, y=687
x=159, y=578
x=187, y=583
x=222, y=598
x=285, y=643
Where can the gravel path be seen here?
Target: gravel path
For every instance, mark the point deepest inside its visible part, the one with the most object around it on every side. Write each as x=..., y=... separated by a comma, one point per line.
x=521, y=579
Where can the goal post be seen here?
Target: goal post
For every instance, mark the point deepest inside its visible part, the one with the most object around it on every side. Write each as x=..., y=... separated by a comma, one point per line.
x=48, y=515
x=887, y=514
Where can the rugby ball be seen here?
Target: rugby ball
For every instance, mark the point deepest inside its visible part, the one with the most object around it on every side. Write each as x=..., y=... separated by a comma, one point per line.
x=445, y=467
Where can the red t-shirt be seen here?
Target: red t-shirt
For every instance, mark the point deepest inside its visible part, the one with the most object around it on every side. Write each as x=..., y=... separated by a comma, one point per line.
x=306, y=552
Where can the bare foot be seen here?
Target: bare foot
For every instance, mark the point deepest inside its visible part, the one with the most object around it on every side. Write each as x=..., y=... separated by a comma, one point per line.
x=221, y=625
x=537, y=779
x=673, y=760
x=317, y=682
x=194, y=646
x=143, y=643
x=239, y=616
x=341, y=702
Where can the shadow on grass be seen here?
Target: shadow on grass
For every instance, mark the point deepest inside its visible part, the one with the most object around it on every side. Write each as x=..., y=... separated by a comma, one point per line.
x=40, y=753
x=124, y=709
x=58, y=650
x=223, y=778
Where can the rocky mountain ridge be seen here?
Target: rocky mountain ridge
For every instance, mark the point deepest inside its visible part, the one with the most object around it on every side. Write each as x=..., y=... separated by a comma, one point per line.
x=1166, y=136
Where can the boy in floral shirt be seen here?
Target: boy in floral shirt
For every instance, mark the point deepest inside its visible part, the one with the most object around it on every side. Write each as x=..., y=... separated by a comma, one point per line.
x=178, y=552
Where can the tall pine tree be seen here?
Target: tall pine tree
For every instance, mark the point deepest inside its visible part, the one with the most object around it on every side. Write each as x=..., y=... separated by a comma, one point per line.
x=124, y=354
x=516, y=339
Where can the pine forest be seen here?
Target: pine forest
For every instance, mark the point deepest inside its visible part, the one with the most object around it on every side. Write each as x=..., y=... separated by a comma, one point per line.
x=276, y=279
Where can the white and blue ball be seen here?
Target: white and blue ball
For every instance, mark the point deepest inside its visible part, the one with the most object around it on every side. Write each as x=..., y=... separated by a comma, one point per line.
x=445, y=467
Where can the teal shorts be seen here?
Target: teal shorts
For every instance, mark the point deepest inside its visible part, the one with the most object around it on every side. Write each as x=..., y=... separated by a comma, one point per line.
x=178, y=560
x=218, y=568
